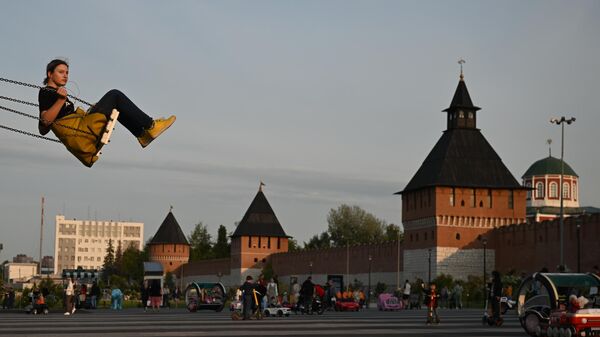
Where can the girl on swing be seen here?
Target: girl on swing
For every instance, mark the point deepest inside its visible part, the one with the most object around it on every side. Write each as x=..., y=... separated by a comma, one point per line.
x=58, y=114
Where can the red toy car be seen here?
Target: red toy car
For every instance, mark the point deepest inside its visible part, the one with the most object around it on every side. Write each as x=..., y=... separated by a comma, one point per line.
x=583, y=322
x=346, y=305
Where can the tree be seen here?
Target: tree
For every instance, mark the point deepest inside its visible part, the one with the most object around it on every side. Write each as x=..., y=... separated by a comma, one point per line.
x=222, y=247
x=108, y=268
x=169, y=281
x=132, y=265
x=393, y=233
x=353, y=225
x=200, y=243
x=318, y=241
x=119, y=259
x=293, y=245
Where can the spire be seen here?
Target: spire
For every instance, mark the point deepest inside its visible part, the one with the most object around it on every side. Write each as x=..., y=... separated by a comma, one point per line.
x=549, y=142
x=462, y=112
x=260, y=187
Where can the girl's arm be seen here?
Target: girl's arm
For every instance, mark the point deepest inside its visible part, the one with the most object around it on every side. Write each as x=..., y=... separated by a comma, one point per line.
x=48, y=116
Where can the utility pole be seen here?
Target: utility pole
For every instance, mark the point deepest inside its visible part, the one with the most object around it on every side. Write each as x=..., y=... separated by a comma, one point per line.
x=41, y=236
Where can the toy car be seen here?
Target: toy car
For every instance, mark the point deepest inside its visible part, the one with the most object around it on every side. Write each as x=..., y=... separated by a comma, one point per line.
x=388, y=302
x=346, y=305
x=277, y=311
x=583, y=322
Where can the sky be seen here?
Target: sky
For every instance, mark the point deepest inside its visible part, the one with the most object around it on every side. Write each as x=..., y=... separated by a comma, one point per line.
x=326, y=102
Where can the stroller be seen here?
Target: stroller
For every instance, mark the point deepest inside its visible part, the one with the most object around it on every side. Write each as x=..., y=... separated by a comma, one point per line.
x=38, y=303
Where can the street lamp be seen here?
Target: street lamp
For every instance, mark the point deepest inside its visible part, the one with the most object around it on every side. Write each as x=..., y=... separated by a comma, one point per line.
x=484, y=242
x=369, y=294
x=562, y=122
x=310, y=264
x=429, y=278
x=579, y=221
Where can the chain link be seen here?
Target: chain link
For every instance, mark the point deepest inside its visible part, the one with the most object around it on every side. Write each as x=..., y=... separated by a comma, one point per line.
x=43, y=88
x=29, y=134
x=44, y=121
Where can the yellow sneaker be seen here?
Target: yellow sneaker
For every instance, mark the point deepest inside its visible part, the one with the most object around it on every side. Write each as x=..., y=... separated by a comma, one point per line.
x=158, y=127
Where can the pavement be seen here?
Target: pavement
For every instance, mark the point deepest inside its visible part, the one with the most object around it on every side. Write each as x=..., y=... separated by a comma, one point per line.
x=180, y=322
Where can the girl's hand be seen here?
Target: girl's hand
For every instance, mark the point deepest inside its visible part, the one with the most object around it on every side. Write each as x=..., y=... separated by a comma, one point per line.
x=62, y=93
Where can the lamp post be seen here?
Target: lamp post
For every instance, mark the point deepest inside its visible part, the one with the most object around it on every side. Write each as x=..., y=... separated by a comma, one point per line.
x=369, y=293
x=579, y=221
x=484, y=242
x=429, y=277
x=562, y=122
x=310, y=264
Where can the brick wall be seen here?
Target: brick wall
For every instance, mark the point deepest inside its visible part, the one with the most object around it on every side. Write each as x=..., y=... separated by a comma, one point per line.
x=528, y=247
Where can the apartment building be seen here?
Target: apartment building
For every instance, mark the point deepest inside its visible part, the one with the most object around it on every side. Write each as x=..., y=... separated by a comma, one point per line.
x=83, y=243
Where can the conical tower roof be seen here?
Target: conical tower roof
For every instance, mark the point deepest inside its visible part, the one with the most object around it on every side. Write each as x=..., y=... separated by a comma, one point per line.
x=462, y=157
x=169, y=232
x=461, y=99
x=259, y=220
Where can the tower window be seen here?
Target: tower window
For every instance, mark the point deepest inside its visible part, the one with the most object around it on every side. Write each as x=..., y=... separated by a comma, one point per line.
x=452, y=197
x=470, y=115
x=472, y=198
x=259, y=244
x=489, y=196
x=278, y=243
x=565, y=191
x=457, y=236
x=250, y=242
x=539, y=190
x=461, y=114
x=269, y=242
x=553, y=190
x=511, y=199
x=574, y=191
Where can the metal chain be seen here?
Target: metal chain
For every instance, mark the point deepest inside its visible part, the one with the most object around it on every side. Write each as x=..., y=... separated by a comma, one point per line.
x=29, y=134
x=44, y=121
x=43, y=88
x=18, y=101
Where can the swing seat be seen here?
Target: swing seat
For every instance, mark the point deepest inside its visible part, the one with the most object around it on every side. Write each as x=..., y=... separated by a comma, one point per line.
x=84, y=134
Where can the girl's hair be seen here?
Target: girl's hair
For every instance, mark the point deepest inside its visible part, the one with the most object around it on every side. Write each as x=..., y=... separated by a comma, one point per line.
x=52, y=65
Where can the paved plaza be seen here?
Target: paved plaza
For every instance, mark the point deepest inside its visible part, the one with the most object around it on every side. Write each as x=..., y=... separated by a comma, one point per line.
x=178, y=322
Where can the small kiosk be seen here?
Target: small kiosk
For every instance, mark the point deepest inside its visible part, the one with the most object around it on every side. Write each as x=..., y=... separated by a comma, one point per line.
x=205, y=296
x=153, y=273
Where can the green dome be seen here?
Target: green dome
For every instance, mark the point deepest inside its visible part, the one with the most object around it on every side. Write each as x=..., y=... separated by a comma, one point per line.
x=549, y=165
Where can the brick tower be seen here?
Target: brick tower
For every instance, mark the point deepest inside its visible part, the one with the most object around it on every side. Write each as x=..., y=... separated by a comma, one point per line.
x=169, y=246
x=461, y=191
x=256, y=237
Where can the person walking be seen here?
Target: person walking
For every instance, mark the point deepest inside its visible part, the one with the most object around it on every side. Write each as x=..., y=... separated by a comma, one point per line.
x=155, y=294
x=406, y=293
x=248, y=297
x=495, y=295
x=431, y=300
x=95, y=293
x=144, y=294
x=458, y=291
x=176, y=295
x=69, y=293
x=165, y=294
x=306, y=293
x=272, y=290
